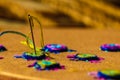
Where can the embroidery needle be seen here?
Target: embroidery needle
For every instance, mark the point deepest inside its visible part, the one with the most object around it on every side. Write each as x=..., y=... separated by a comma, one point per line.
x=32, y=34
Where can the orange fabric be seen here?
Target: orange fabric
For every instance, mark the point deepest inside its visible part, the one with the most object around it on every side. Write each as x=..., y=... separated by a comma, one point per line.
x=85, y=41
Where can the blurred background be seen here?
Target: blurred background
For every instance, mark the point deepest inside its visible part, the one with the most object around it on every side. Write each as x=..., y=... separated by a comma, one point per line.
x=62, y=13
